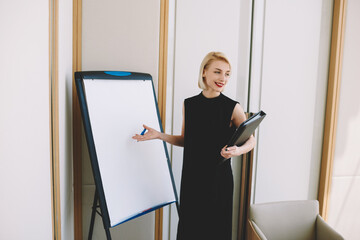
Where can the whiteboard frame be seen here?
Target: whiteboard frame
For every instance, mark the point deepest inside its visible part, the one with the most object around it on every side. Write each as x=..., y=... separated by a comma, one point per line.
x=112, y=75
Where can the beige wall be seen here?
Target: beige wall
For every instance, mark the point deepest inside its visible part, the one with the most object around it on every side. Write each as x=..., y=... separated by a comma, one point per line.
x=24, y=121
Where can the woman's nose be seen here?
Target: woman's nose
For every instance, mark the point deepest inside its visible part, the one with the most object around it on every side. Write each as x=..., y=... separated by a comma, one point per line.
x=222, y=77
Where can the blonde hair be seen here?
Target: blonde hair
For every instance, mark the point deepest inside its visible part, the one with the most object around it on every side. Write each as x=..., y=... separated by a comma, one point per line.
x=208, y=59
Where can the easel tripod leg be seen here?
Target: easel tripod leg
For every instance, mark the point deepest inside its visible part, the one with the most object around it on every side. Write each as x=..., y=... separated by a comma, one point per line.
x=92, y=223
x=93, y=213
x=107, y=231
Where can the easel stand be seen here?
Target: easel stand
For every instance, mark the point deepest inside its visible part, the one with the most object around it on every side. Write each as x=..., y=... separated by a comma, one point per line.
x=102, y=96
x=93, y=214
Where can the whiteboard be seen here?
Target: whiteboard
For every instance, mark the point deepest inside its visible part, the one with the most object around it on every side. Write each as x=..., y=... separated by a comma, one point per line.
x=134, y=176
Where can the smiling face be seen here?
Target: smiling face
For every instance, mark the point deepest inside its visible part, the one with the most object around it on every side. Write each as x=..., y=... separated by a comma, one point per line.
x=216, y=76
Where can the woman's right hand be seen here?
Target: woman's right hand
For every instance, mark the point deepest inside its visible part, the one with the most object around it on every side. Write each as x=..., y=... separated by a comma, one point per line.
x=149, y=135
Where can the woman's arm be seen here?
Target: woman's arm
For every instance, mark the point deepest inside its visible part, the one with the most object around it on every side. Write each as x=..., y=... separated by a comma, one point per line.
x=151, y=133
x=237, y=118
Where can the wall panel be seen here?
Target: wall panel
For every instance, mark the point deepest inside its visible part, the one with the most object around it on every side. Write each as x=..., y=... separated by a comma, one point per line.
x=65, y=118
x=344, y=196
x=24, y=122
x=291, y=88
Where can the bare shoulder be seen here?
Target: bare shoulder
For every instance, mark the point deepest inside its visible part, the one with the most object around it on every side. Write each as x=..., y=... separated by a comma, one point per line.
x=238, y=115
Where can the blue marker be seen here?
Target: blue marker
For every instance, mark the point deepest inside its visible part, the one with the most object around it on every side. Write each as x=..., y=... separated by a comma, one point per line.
x=143, y=132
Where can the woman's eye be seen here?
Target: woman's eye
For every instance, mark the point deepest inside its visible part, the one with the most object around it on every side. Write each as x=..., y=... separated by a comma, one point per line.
x=217, y=72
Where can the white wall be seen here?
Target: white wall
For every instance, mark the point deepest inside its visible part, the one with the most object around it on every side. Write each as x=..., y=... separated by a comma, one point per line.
x=290, y=65
x=65, y=119
x=345, y=196
x=24, y=123
x=119, y=35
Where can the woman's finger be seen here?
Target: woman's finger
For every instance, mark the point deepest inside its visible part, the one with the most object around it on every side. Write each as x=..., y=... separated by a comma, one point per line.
x=224, y=153
x=229, y=149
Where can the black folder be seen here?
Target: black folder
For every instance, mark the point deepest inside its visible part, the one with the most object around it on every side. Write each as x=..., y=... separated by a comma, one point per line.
x=245, y=130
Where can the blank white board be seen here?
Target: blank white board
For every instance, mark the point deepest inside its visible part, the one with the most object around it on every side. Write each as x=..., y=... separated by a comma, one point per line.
x=135, y=176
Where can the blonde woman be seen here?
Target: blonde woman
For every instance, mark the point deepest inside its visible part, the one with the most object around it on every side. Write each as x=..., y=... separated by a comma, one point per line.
x=209, y=120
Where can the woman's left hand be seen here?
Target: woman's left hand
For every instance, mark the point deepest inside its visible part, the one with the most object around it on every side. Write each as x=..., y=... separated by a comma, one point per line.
x=228, y=152
x=233, y=151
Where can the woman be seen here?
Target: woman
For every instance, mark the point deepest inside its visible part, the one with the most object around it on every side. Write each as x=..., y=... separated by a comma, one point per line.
x=209, y=120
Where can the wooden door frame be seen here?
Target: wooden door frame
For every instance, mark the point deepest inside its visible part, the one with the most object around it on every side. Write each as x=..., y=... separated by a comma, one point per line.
x=332, y=102
x=76, y=121
x=54, y=117
x=162, y=84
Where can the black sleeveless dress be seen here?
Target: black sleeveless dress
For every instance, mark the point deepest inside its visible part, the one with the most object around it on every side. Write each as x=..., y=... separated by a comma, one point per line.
x=206, y=194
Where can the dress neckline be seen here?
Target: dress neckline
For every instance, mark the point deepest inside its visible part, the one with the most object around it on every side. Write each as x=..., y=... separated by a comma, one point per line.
x=210, y=99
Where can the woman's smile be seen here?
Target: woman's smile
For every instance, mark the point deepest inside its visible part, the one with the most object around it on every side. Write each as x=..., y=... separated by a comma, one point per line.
x=220, y=85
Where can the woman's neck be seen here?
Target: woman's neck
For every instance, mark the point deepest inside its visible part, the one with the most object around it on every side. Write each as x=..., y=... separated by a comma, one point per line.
x=210, y=94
